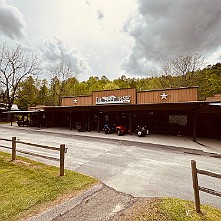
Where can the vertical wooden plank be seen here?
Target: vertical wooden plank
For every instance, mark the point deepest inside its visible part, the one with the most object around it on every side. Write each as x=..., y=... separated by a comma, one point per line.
x=195, y=186
x=13, y=148
x=62, y=152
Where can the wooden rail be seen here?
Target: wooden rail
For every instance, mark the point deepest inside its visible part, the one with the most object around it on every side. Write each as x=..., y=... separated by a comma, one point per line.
x=198, y=188
x=37, y=145
x=5, y=139
x=62, y=150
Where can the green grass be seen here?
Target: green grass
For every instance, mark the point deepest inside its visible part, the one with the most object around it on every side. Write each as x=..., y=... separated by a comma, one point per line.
x=169, y=209
x=26, y=186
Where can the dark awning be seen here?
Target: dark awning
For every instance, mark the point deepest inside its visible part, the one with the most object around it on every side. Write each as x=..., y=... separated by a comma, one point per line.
x=185, y=106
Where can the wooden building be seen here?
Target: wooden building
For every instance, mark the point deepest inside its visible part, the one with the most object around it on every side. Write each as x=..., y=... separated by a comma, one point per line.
x=164, y=111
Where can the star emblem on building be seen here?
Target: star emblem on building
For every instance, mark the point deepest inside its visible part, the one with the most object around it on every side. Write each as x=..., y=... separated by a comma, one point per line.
x=164, y=96
x=75, y=101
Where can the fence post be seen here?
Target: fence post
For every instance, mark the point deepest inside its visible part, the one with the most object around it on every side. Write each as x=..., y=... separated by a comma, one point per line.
x=195, y=186
x=62, y=152
x=13, y=148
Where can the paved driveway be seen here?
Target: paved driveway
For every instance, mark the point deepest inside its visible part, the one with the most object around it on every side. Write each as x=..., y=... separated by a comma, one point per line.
x=140, y=170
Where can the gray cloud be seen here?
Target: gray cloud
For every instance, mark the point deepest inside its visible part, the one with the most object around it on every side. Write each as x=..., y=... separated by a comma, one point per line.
x=165, y=29
x=11, y=21
x=55, y=50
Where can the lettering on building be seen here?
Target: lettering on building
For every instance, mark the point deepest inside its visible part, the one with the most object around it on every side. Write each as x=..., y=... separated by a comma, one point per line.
x=113, y=100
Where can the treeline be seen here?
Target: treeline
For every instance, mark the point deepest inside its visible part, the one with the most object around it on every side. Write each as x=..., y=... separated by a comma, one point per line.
x=19, y=83
x=32, y=91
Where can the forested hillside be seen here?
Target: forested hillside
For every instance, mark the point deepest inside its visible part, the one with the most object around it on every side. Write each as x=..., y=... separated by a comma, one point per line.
x=33, y=91
x=20, y=84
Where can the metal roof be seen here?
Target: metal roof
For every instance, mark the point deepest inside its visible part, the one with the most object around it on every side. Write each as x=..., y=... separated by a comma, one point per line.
x=21, y=112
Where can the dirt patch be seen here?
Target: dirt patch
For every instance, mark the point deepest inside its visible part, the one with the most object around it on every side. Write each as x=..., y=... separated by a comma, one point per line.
x=21, y=162
x=143, y=207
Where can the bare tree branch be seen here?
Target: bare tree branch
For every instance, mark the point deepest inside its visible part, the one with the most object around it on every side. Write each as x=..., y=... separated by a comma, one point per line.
x=60, y=73
x=184, y=66
x=15, y=65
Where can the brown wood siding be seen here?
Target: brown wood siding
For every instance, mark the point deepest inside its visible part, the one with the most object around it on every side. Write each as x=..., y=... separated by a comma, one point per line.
x=216, y=97
x=172, y=95
x=81, y=101
x=118, y=93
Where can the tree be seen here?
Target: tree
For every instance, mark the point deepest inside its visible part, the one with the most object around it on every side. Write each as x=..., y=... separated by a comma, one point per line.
x=15, y=66
x=122, y=82
x=26, y=95
x=60, y=74
x=111, y=86
x=72, y=86
x=184, y=66
x=93, y=84
x=209, y=81
x=43, y=93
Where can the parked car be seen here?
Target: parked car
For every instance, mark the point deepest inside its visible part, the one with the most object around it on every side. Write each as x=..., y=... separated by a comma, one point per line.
x=141, y=131
x=109, y=129
x=121, y=130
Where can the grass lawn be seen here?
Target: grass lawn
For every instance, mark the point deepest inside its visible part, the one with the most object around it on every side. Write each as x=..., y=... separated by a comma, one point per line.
x=27, y=186
x=168, y=209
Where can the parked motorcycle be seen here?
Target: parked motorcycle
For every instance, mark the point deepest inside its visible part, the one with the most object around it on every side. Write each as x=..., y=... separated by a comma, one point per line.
x=81, y=127
x=108, y=129
x=121, y=130
x=141, y=131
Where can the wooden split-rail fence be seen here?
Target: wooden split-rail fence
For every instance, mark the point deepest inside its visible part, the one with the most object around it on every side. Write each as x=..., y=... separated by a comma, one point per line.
x=198, y=188
x=14, y=143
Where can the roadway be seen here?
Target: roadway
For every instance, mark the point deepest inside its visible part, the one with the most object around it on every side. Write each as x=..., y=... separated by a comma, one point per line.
x=143, y=170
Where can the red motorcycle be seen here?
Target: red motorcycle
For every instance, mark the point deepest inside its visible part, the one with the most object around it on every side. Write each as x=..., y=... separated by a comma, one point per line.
x=121, y=130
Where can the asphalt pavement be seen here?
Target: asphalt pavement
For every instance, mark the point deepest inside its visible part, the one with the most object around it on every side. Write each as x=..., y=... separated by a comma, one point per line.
x=151, y=166
x=182, y=143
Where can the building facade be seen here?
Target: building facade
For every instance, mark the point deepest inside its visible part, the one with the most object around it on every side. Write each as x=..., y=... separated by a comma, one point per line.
x=166, y=111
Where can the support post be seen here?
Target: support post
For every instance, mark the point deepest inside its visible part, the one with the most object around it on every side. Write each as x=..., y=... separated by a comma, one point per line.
x=195, y=186
x=62, y=152
x=88, y=122
x=13, y=148
x=130, y=123
x=98, y=122
x=46, y=119
x=52, y=120
x=38, y=120
x=11, y=118
x=194, y=125
x=70, y=121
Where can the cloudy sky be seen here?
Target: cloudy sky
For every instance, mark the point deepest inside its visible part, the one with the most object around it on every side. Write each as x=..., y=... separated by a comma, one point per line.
x=111, y=38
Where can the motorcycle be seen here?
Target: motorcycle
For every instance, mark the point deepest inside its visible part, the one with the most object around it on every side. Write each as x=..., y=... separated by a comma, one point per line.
x=108, y=129
x=141, y=131
x=81, y=127
x=121, y=130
